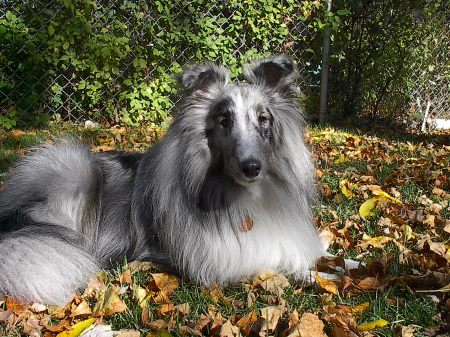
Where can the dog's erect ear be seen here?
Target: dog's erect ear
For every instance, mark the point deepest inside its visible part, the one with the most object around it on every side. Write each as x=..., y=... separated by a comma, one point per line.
x=274, y=72
x=201, y=77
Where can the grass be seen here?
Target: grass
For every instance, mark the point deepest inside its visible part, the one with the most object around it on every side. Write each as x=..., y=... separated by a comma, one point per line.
x=398, y=304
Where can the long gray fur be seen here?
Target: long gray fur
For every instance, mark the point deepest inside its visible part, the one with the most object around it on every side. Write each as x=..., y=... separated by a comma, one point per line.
x=65, y=212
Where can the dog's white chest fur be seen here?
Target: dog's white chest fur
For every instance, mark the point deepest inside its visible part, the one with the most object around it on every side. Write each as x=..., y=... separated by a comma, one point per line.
x=277, y=240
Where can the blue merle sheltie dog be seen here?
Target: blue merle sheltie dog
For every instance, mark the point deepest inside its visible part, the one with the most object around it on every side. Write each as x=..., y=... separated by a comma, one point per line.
x=227, y=193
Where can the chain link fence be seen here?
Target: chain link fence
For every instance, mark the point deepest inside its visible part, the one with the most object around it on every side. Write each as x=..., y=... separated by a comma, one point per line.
x=66, y=94
x=429, y=82
x=125, y=72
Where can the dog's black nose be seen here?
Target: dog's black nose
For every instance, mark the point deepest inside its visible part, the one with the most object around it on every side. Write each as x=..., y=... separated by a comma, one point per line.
x=251, y=167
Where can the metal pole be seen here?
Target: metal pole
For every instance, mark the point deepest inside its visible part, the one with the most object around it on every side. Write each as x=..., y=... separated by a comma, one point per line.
x=324, y=74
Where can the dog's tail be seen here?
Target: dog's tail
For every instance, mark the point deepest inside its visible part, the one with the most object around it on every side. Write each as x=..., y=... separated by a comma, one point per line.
x=44, y=263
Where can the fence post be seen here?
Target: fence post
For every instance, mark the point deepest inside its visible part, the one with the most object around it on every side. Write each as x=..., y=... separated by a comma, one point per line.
x=324, y=74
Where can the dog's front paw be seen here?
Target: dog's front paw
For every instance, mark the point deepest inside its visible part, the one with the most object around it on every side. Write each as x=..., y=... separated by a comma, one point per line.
x=352, y=264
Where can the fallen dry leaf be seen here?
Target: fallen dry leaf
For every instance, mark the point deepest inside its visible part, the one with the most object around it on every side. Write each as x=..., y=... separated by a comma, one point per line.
x=373, y=325
x=366, y=209
x=275, y=284
x=272, y=315
x=166, y=284
x=109, y=303
x=82, y=309
x=229, y=330
x=183, y=309
x=76, y=329
x=247, y=224
x=327, y=285
x=246, y=322
x=309, y=326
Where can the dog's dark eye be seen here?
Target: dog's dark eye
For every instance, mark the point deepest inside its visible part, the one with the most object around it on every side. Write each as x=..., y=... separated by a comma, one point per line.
x=264, y=121
x=224, y=122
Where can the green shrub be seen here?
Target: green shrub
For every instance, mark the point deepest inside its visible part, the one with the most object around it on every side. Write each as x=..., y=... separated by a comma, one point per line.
x=115, y=60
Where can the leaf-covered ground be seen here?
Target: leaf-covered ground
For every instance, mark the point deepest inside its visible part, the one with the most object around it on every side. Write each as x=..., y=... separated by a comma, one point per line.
x=382, y=200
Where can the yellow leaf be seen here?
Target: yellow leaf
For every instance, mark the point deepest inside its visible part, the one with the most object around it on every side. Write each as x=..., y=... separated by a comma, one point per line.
x=409, y=234
x=365, y=210
x=142, y=296
x=327, y=285
x=360, y=308
x=375, y=242
x=346, y=188
x=76, y=329
x=376, y=190
x=341, y=160
x=372, y=325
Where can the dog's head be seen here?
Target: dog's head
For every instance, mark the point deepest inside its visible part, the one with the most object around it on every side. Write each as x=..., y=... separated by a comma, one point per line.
x=242, y=122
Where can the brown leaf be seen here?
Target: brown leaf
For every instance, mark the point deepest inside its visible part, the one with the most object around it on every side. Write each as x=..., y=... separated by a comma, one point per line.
x=125, y=277
x=63, y=325
x=408, y=331
x=310, y=326
x=16, y=307
x=166, y=284
x=183, y=308
x=369, y=284
x=275, y=284
x=293, y=319
x=16, y=133
x=82, y=309
x=329, y=264
x=375, y=242
x=447, y=226
x=136, y=266
x=109, y=303
x=166, y=308
x=272, y=316
x=32, y=326
x=216, y=294
x=246, y=322
x=247, y=224
x=188, y=331
x=6, y=315
x=157, y=325
x=229, y=330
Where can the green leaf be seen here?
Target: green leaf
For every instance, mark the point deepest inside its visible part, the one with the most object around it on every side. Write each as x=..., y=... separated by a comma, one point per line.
x=342, y=12
x=10, y=16
x=51, y=30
